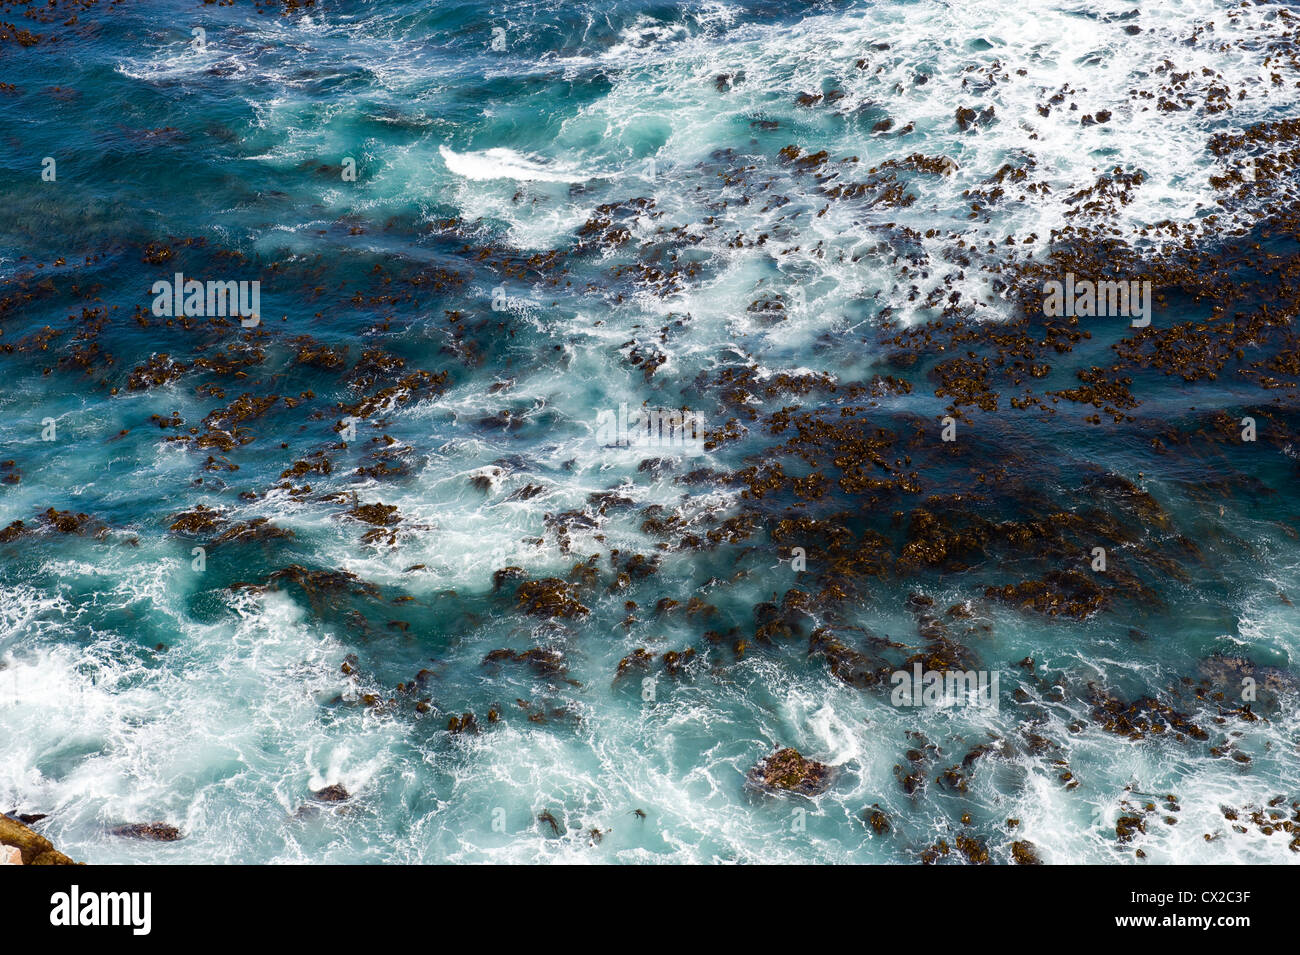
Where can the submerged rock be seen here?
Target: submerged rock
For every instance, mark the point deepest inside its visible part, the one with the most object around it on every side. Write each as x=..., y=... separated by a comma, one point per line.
x=155, y=831
x=487, y=479
x=968, y=118
x=334, y=793
x=880, y=824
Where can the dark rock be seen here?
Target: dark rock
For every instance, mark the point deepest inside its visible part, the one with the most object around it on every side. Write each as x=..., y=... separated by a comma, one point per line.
x=786, y=770
x=334, y=793
x=156, y=831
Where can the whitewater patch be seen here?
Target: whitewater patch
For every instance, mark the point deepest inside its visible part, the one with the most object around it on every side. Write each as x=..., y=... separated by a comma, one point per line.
x=503, y=163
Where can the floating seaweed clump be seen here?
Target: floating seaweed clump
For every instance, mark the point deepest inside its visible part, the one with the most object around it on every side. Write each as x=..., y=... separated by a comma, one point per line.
x=788, y=771
x=550, y=597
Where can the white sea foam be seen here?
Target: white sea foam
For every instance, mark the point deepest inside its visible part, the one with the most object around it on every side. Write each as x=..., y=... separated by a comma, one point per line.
x=502, y=163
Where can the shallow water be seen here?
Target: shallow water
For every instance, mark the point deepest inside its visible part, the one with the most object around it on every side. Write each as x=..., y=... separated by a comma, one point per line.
x=136, y=687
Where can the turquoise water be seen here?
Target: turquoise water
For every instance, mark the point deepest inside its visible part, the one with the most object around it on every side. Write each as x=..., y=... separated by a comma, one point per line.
x=589, y=209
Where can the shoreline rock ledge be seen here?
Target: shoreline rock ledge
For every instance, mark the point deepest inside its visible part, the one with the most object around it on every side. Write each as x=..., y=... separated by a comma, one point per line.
x=32, y=847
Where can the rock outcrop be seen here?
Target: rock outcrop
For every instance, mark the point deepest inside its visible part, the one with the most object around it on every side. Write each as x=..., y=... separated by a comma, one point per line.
x=34, y=848
x=787, y=771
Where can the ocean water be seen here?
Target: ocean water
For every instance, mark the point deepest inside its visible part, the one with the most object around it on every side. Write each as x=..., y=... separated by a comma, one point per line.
x=558, y=210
